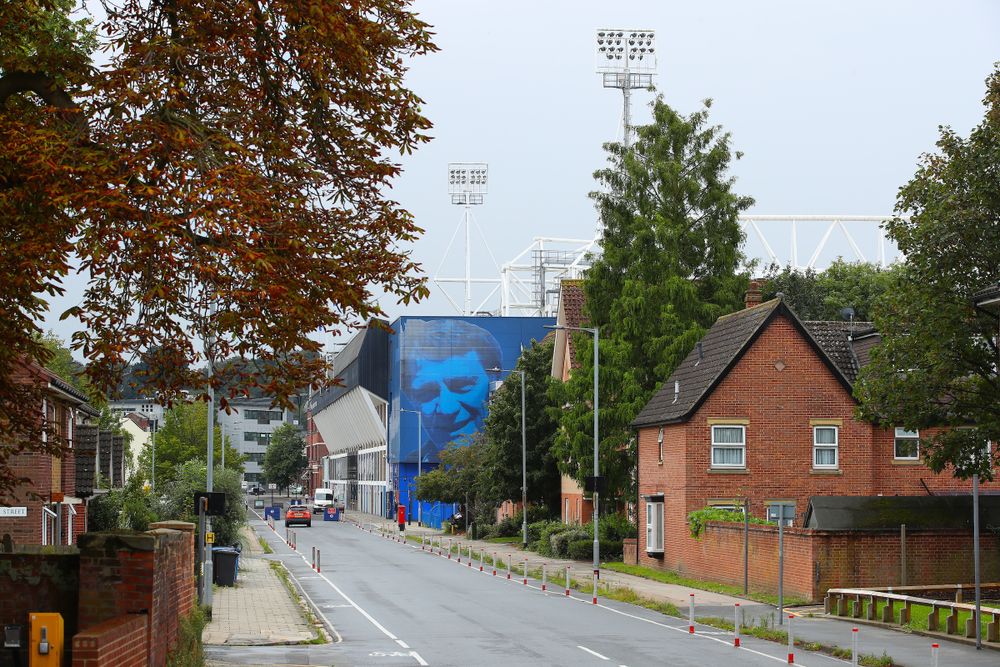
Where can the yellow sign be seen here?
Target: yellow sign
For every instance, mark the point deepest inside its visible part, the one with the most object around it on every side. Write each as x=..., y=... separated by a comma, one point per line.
x=209, y=538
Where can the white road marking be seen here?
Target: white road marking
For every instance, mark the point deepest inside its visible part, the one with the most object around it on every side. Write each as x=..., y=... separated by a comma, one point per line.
x=602, y=657
x=420, y=661
x=402, y=643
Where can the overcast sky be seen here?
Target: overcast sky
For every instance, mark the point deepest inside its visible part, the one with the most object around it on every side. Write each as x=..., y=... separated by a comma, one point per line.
x=831, y=104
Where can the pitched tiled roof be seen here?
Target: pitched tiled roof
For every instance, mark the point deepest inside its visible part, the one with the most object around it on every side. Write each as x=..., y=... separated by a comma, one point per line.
x=862, y=343
x=835, y=339
x=571, y=300
x=724, y=344
x=988, y=294
x=695, y=376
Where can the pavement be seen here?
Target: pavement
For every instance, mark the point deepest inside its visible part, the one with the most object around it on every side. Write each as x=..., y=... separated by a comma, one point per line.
x=257, y=611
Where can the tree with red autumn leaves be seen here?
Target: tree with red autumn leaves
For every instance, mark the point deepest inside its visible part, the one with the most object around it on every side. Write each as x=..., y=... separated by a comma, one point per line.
x=222, y=176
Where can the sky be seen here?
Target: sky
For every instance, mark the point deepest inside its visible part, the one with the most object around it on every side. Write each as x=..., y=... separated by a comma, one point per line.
x=831, y=104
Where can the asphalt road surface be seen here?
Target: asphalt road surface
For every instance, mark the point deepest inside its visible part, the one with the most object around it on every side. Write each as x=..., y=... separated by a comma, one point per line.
x=394, y=604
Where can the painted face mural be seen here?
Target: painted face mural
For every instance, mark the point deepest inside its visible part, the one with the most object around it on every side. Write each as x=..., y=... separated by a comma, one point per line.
x=445, y=376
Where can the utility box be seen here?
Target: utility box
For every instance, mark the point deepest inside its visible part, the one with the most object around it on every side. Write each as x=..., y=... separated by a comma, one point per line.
x=45, y=643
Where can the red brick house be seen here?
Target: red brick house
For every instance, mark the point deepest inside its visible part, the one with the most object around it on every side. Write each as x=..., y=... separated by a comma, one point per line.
x=51, y=509
x=761, y=414
x=574, y=507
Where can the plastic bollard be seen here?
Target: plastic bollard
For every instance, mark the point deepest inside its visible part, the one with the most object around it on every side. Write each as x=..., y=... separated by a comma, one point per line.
x=459, y=553
x=494, y=563
x=854, y=647
x=736, y=626
x=314, y=557
x=791, y=642
x=595, y=587
x=691, y=614
x=469, y=560
x=525, y=582
x=543, y=577
x=449, y=549
x=482, y=558
x=934, y=655
x=508, y=567
x=318, y=570
x=567, y=581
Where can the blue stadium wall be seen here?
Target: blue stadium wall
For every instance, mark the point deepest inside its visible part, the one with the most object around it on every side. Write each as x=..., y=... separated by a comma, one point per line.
x=439, y=368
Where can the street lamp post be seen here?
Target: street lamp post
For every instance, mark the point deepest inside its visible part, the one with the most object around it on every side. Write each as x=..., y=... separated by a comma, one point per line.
x=524, y=460
x=595, y=332
x=420, y=456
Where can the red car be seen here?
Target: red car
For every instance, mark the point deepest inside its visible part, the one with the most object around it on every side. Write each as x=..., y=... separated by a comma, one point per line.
x=298, y=514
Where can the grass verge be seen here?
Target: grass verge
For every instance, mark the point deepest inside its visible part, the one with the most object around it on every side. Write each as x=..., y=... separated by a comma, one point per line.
x=317, y=627
x=188, y=651
x=264, y=545
x=667, y=577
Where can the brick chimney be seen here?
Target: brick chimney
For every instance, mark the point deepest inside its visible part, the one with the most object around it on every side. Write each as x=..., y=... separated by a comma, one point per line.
x=753, y=296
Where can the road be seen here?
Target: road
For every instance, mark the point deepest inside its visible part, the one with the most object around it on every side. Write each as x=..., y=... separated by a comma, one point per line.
x=393, y=604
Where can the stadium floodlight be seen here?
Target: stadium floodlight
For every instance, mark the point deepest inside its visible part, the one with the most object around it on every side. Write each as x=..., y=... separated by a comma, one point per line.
x=626, y=59
x=467, y=182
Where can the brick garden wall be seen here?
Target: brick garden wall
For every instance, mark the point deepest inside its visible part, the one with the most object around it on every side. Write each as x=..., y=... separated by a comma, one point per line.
x=819, y=560
x=120, y=642
x=151, y=573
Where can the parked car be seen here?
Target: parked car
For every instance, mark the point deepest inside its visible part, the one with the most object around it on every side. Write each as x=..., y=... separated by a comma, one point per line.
x=256, y=491
x=298, y=514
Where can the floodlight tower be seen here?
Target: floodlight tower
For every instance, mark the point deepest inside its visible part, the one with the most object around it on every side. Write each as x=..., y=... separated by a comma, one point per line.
x=467, y=186
x=626, y=59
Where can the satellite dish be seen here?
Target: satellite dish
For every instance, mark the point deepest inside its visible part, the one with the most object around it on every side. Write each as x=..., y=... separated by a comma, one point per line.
x=847, y=313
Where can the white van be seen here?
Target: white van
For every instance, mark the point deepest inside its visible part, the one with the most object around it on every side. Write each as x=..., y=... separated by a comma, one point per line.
x=322, y=499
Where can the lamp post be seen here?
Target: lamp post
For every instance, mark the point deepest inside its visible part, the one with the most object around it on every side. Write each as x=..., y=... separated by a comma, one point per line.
x=595, y=332
x=420, y=456
x=524, y=460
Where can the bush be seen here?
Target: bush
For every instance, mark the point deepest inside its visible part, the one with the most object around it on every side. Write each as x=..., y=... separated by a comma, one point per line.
x=128, y=508
x=536, y=513
x=560, y=541
x=535, y=531
x=509, y=527
x=699, y=518
x=610, y=549
x=581, y=549
x=616, y=527
x=179, y=502
x=545, y=535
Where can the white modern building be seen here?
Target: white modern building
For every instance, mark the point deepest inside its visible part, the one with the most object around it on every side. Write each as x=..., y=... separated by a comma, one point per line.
x=249, y=425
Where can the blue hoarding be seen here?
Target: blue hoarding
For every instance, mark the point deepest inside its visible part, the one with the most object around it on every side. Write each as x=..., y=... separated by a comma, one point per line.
x=440, y=377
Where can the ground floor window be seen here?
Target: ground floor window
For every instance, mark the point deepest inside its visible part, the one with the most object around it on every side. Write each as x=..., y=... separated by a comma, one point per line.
x=654, y=526
x=779, y=511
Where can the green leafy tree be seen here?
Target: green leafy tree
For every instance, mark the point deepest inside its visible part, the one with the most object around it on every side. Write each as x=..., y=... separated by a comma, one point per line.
x=670, y=266
x=502, y=433
x=178, y=503
x=937, y=363
x=132, y=507
x=285, y=460
x=823, y=295
x=461, y=478
x=183, y=437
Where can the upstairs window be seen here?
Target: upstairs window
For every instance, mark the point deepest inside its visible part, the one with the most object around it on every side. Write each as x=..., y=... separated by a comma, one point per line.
x=825, y=446
x=907, y=444
x=728, y=446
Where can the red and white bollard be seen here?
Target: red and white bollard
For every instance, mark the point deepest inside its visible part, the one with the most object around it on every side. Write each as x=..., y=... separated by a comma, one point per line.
x=449, y=548
x=459, y=553
x=854, y=647
x=314, y=558
x=525, y=582
x=508, y=567
x=934, y=655
x=567, y=581
x=791, y=642
x=543, y=577
x=691, y=614
x=469, y=561
x=317, y=562
x=494, y=563
x=736, y=626
x=595, y=587
x=482, y=558
x=422, y=543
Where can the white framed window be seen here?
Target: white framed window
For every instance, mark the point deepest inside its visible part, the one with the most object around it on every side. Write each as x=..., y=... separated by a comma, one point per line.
x=728, y=446
x=654, y=526
x=825, y=446
x=906, y=444
x=784, y=512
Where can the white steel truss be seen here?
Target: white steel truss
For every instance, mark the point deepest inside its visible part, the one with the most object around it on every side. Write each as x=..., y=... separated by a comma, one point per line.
x=528, y=284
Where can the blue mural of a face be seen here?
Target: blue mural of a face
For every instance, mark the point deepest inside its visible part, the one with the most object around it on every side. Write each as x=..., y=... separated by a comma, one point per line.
x=445, y=376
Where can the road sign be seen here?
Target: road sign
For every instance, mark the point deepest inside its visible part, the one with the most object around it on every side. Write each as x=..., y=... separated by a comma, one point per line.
x=272, y=487
x=13, y=511
x=216, y=502
x=599, y=484
x=209, y=538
